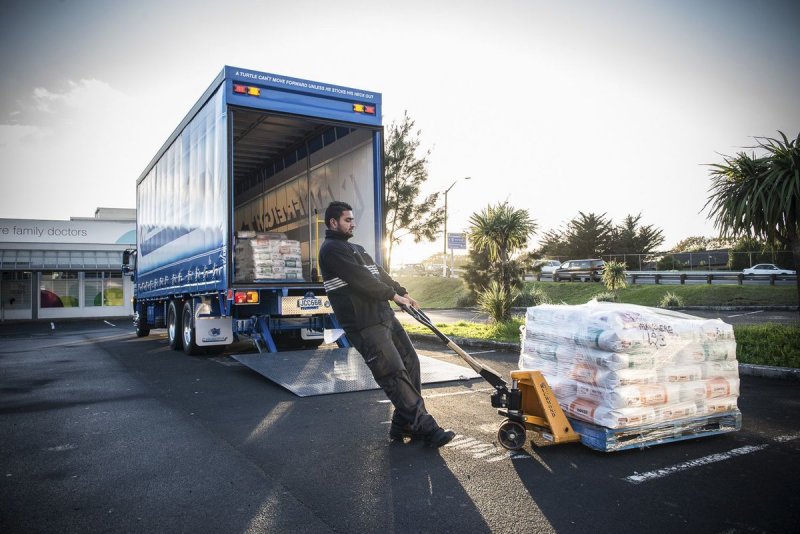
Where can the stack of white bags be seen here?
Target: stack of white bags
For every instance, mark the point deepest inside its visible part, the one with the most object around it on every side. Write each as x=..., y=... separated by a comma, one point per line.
x=266, y=257
x=621, y=365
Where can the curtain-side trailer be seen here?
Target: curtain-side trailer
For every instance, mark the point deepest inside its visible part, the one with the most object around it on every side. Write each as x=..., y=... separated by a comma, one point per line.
x=229, y=211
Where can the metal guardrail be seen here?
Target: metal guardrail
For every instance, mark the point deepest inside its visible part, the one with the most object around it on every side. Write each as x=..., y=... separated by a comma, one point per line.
x=707, y=276
x=683, y=276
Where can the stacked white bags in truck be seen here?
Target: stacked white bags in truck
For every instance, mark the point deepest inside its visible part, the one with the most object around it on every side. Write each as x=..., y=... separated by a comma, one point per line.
x=266, y=257
x=621, y=365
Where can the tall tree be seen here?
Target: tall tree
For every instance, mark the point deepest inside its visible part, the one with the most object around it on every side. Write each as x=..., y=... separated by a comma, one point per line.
x=500, y=231
x=759, y=196
x=590, y=234
x=405, y=170
x=586, y=236
x=631, y=237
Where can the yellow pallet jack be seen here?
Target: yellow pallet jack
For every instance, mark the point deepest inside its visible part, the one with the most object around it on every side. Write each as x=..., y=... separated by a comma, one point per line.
x=529, y=405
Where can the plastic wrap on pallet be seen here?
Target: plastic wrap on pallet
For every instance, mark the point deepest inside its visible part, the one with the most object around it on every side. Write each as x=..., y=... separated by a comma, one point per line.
x=622, y=366
x=265, y=256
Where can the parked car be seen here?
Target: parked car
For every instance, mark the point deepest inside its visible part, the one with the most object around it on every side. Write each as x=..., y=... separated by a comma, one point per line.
x=583, y=270
x=767, y=268
x=548, y=266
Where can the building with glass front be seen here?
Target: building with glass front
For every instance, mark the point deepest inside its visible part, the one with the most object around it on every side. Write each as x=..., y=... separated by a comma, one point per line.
x=66, y=269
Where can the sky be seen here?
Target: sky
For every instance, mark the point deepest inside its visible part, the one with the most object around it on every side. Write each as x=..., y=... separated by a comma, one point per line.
x=557, y=107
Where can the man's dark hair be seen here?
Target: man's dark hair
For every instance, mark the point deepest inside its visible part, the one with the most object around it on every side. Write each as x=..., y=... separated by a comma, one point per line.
x=334, y=211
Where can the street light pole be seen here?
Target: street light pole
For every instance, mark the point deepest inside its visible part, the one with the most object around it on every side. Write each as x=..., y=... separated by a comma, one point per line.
x=444, y=250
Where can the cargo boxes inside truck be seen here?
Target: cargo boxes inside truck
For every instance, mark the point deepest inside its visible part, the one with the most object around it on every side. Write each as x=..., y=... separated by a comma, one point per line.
x=287, y=192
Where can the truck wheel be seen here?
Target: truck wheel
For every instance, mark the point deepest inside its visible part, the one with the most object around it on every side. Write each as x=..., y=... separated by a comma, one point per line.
x=142, y=331
x=174, y=326
x=188, y=331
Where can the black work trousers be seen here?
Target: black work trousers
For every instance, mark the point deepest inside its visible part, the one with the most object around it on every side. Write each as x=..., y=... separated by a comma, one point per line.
x=394, y=363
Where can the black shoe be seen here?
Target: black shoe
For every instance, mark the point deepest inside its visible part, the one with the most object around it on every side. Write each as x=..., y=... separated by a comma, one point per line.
x=398, y=432
x=439, y=437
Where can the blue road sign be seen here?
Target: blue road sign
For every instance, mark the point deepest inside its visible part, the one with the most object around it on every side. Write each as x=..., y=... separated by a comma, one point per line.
x=457, y=241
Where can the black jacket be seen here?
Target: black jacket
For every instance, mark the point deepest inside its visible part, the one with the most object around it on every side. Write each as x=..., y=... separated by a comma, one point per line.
x=358, y=288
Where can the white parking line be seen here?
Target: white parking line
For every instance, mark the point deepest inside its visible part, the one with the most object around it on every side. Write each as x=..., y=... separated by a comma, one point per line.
x=666, y=471
x=480, y=450
x=469, y=392
x=743, y=314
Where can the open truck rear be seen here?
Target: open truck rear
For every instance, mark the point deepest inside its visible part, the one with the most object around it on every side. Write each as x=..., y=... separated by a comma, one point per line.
x=256, y=161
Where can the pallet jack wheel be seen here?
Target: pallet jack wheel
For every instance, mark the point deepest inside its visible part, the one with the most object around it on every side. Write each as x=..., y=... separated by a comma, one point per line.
x=511, y=435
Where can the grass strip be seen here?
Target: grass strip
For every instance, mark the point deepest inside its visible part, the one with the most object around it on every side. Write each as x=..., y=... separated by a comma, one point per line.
x=437, y=292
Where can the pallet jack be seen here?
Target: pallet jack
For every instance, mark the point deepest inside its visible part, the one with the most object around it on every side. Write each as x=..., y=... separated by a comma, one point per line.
x=529, y=405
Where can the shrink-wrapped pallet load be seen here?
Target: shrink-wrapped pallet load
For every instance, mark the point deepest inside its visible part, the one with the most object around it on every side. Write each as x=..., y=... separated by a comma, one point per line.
x=271, y=256
x=620, y=366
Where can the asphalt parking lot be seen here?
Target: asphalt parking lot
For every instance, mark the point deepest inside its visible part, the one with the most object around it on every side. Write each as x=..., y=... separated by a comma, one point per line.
x=107, y=432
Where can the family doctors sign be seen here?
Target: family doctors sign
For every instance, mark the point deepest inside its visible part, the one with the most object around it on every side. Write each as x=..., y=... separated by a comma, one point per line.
x=85, y=232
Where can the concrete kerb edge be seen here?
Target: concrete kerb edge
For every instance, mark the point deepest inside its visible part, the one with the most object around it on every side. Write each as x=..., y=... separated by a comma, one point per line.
x=747, y=369
x=785, y=373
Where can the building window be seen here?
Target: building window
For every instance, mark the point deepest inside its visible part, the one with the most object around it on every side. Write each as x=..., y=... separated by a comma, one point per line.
x=15, y=290
x=59, y=289
x=102, y=289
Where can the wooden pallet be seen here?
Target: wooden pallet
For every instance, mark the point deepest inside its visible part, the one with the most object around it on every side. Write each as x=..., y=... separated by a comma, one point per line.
x=609, y=439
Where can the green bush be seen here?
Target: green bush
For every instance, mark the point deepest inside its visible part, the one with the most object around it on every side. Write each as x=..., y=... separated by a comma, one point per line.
x=614, y=276
x=671, y=300
x=605, y=296
x=466, y=301
x=496, y=302
x=531, y=295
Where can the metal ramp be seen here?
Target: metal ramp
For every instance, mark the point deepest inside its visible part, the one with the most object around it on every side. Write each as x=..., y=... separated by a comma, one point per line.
x=307, y=373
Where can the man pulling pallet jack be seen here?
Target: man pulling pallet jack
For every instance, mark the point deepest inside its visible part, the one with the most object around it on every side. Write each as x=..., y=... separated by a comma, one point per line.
x=359, y=292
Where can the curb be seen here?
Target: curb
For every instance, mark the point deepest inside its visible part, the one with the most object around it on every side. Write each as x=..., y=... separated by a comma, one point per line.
x=765, y=371
x=746, y=369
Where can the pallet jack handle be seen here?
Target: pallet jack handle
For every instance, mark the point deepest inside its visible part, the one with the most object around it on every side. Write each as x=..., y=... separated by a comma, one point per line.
x=489, y=374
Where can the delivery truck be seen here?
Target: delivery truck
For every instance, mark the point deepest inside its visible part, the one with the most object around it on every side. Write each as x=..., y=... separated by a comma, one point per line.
x=229, y=212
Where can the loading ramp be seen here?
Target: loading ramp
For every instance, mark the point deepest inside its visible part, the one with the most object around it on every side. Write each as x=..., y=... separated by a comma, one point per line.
x=326, y=371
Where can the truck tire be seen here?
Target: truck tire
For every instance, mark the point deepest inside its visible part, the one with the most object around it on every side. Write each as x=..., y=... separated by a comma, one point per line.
x=188, y=331
x=142, y=331
x=174, y=326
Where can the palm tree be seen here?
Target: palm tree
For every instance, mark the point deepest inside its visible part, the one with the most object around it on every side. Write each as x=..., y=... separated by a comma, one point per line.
x=759, y=197
x=501, y=230
x=614, y=277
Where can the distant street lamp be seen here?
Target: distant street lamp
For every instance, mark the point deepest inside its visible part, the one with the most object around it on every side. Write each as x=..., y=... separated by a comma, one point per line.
x=444, y=255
